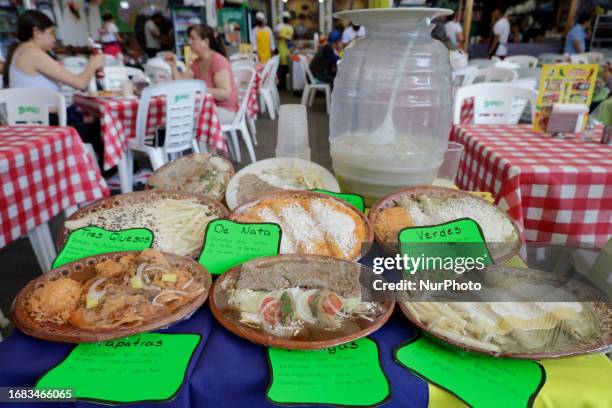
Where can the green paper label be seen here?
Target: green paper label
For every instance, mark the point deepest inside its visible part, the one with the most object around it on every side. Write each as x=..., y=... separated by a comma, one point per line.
x=145, y=367
x=461, y=238
x=28, y=109
x=354, y=199
x=228, y=243
x=89, y=241
x=349, y=374
x=477, y=379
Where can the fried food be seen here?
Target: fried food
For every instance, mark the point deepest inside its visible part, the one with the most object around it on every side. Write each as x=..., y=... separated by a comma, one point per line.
x=55, y=300
x=125, y=292
x=391, y=221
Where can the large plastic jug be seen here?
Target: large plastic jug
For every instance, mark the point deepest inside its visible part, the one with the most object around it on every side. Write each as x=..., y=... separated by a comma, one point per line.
x=391, y=103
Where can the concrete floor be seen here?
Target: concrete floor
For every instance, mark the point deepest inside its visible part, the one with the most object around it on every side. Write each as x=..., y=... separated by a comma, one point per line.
x=17, y=261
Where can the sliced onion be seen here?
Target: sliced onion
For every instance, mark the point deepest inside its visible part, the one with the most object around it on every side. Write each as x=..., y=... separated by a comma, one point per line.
x=189, y=282
x=93, y=292
x=178, y=292
x=153, y=268
x=302, y=308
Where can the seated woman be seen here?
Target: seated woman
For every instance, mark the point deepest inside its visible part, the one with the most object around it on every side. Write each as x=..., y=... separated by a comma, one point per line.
x=211, y=66
x=28, y=64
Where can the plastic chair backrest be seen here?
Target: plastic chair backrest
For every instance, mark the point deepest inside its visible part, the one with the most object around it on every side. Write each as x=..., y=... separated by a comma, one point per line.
x=527, y=73
x=310, y=79
x=459, y=75
x=481, y=62
x=115, y=76
x=524, y=61
x=30, y=106
x=579, y=59
x=158, y=70
x=75, y=62
x=551, y=58
x=491, y=74
x=110, y=61
x=246, y=75
x=593, y=57
x=494, y=103
x=270, y=78
x=180, y=112
x=507, y=64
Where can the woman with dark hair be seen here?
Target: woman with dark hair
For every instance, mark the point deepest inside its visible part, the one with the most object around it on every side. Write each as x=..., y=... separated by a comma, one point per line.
x=211, y=66
x=28, y=63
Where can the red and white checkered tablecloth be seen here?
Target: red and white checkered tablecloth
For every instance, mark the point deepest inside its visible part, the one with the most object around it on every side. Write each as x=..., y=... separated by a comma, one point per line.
x=558, y=191
x=43, y=171
x=118, y=122
x=253, y=104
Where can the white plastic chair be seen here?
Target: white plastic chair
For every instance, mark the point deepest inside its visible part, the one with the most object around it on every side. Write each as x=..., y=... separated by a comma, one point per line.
x=579, y=59
x=593, y=57
x=30, y=106
x=491, y=74
x=529, y=73
x=110, y=61
x=312, y=85
x=179, y=126
x=158, y=70
x=506, y=64
x=114, y=77
x=494, y=103
x=481, y=62
x=242, y=83
x=268, y=92
x=239, y=121
x=459, y=75
x=524, y=61
x=76, y=62
x=551, y=58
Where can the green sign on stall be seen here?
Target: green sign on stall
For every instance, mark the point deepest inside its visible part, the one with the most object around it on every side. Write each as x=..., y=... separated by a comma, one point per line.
x=146, y=367
x=477, y=379
x=348, y=374
x=89, y=241
x=228, y=243
x=355, y=200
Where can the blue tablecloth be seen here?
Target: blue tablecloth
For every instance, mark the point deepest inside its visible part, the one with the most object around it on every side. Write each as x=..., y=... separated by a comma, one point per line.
x=225, y=369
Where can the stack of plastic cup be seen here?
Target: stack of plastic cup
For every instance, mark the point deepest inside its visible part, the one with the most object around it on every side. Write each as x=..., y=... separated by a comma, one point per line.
x=450, y=166
x=292, y=139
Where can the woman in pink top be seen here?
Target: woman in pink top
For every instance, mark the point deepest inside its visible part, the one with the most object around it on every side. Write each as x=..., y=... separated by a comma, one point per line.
x=211, y=66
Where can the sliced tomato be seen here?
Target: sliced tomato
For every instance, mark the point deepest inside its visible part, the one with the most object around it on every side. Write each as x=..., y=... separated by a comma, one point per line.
x=270, y=310
x=332, y=304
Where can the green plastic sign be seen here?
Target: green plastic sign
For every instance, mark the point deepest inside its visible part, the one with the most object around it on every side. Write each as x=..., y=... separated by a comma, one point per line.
x=354, y=199
x=89, y=241
x=349, y=374
x=441, y=245
x=228, y=243
x=477, y=379
x=145, y=367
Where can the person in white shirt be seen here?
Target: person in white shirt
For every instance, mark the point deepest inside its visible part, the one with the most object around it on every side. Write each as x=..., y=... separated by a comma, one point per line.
x=501, y=32
x=351, y=33
x=109, y=36
x=153, y=34
x=454, y=32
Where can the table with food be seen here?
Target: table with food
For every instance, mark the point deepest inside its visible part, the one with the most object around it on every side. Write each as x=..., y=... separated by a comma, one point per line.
x=266, y=286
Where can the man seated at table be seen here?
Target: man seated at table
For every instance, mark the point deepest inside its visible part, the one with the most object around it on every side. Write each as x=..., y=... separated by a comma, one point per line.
x=324, y=64
x=211, y=66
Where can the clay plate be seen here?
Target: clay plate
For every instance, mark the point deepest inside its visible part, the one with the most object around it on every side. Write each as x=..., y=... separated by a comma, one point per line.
x=138, y=197
x=499, y=252
x=270, y=340
x=365, y=244
x=173, y=172
x=83, y=270
x=602, y=311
